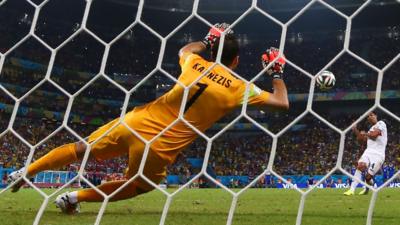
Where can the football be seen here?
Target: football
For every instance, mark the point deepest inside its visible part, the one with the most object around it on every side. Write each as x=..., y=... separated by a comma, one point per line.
x=325, y=80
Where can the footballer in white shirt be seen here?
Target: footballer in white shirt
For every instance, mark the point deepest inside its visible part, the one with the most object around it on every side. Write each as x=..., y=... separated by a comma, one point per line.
x=374, y=155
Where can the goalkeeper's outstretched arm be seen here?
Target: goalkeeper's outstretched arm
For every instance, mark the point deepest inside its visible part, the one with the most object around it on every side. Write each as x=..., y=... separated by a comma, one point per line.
x=279, y=98
x=193, y=47
x=208, y=41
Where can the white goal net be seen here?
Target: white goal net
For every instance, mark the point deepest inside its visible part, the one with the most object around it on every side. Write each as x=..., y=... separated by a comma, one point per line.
x=124, y=85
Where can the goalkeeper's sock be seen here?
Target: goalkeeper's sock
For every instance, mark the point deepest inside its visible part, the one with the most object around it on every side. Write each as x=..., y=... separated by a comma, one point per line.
x=354, y=184
x=56, y=158
x=90, y=195
x=73, y=197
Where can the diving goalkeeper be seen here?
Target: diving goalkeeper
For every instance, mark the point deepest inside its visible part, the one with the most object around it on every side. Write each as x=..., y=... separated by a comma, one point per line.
x=213, y=96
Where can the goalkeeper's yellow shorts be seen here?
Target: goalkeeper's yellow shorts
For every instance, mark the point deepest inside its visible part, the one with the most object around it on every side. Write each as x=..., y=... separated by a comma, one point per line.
x=120, y=141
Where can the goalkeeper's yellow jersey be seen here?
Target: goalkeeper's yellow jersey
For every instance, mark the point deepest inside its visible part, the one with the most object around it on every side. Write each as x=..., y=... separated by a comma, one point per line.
x=216, y=94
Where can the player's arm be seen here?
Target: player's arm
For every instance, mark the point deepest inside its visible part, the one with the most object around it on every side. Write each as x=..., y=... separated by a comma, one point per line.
x=198, y=47
x=374, y=134
x=191, y=48
x=360, y=135
x=279, y=98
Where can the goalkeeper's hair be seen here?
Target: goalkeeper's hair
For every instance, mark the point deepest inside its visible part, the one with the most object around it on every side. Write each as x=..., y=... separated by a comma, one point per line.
x=229, y=51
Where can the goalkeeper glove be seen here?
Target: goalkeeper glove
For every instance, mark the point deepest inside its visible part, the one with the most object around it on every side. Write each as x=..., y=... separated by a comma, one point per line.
x=276, y=70
x=215, y=33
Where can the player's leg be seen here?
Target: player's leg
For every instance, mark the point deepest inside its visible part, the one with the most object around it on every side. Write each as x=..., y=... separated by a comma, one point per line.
x=72, y=152
x=368, y=180
x=361, y=166
x=105, y=148
x=113, y=144
x=56, y=158
x=90, y=195
x=373, y=168
x=155, y=170
x=68, y=202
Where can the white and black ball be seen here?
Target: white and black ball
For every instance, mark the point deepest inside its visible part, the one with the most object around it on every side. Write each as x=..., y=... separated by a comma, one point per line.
x=325, y=80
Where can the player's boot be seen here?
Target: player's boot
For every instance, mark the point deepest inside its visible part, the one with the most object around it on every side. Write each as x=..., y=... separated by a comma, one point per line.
x=63, y=202
x=12, y=177
x=349, y=192
x=364, y=191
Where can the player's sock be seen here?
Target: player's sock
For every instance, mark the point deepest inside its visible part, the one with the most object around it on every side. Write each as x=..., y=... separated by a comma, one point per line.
x=73, y=197
x=354, y=184
x=90, y=195
x=56, y=158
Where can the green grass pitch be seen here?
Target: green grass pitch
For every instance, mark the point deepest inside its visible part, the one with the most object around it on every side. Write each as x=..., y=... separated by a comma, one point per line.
x=211, y=206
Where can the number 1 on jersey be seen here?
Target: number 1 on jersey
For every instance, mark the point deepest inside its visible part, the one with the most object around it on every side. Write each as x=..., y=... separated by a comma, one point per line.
x=202, y=88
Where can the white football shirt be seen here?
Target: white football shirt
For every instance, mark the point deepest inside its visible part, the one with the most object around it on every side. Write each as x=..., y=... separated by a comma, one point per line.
x=378, y=145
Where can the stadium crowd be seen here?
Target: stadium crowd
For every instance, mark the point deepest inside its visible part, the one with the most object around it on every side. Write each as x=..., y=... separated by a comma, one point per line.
x=311, y=150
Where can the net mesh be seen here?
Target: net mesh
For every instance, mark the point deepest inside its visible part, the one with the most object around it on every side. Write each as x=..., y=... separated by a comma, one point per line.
x=243, y=114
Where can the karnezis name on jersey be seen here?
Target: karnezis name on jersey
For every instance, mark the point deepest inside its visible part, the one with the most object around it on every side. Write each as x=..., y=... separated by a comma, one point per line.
x=221, y=80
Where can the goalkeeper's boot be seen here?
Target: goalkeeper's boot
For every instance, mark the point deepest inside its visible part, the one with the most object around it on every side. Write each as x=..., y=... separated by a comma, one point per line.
x=364, y=191
x=349, y=192
x=63, y=202
x=14, y=176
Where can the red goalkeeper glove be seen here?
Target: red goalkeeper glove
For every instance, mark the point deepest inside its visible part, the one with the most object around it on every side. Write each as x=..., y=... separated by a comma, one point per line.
x=215, y=33
x=276, y=70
